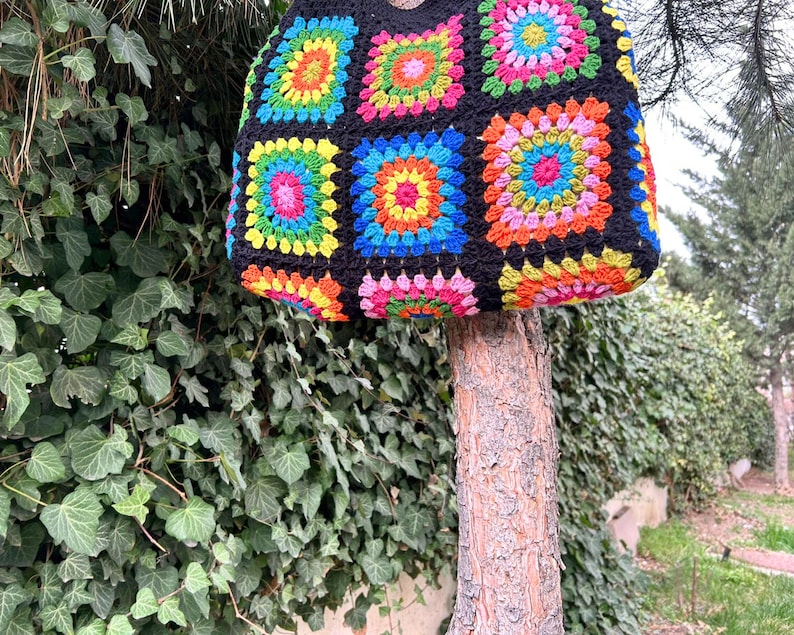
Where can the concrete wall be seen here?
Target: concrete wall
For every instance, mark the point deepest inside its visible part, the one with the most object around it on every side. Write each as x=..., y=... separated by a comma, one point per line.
x=645, y=504
x=648, y=502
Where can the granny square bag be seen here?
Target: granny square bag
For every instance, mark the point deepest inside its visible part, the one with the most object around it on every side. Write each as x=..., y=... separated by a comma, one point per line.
x=462, y=156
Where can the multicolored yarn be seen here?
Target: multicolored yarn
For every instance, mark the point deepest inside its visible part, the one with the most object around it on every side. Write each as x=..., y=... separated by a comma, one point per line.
x=408, y=195
x=644, y=192
x=250, y=80
x=231, y=221
x=317, y=298
x=413, y=73
x=548, y=173
x=535, y=42
x=307, y=78
x=291, y=201
x=626, y=63
x=569, y=282
x=461, y=157
x=418, y=297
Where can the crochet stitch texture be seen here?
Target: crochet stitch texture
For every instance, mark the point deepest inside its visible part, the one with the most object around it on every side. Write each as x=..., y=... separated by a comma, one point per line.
x=463, y=156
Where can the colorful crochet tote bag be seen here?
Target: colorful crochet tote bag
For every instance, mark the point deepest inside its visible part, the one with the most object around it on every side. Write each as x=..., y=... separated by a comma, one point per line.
x=462, y=156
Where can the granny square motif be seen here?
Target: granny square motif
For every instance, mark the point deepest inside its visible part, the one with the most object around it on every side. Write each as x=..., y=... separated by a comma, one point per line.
x=466, y=156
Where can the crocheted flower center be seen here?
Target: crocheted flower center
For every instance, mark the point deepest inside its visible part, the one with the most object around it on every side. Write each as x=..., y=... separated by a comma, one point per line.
x=406, y=195
x=546, y=171
x=287, y=196
x=413, y=68
x=313, y=68
x=534, y=35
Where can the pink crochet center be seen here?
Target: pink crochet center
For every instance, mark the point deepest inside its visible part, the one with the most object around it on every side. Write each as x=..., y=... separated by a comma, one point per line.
x=287, y=196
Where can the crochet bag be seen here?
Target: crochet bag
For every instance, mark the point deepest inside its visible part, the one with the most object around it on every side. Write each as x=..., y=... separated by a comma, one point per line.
x=463, y=156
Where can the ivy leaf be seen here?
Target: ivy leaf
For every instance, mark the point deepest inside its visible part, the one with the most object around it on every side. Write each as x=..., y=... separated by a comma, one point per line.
x=81, y=64
x=120, y=625
x=49, y=307
x=145, y=604
x=94, y=455
x=132, y=336
x=184, y=433
x=17, y=60
x=169, y=612
x=356, y=617
x=119, y=387
x=140, y=306
x=135, y=505
x=262, y=498
x=143, y=257
x=133, y=107
x=76, y=566
x=169, y=344
x=21, y=623
x=74, y=241
x=194, y=391
x=87, y=383
x=16, y=374
x=97, y=627
x=289, y=462
x=127, y=47
x=100, y=206
x=57, y=617
x=156, y=382
x=218, y=434
x=379, y=569
x=6, y=248
x=196, y=579
x=45, y=464
x=11, y=596
x=84, y=292
x=80, y=330
x=75, y=520
x=8, y=330
x=194, y=523
x=55, y=15
x=5, y=511
x=19, y=32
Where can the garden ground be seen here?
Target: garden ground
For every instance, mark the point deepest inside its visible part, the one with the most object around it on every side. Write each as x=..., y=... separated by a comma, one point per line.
x=728, y=569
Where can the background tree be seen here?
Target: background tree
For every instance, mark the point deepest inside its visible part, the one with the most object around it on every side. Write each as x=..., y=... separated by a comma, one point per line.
x=742, y=244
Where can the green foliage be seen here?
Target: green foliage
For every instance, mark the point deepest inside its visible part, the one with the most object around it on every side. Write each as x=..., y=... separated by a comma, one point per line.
x=776, y=537
x=178, y=454
x=648, y=384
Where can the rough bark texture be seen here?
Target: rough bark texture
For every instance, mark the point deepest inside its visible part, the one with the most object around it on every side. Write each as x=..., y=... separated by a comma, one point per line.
x=781, y=429
x=509, y=556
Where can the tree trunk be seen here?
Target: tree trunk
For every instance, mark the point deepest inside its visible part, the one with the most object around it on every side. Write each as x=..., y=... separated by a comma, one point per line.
x=781, y=428
x=509, y=555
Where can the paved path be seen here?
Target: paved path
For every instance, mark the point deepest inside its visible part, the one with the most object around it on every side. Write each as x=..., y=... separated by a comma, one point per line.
x=771, y=561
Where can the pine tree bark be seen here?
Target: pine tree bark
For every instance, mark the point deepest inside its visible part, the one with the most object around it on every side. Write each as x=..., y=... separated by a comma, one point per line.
x=509, y=556
x=781, y=428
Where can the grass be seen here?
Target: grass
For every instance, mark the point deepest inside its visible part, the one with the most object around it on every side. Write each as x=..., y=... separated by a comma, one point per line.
x=731, y=598
x=776, y=537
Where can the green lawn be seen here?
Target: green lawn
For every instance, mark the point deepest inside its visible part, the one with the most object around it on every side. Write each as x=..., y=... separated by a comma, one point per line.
x=731, y=598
